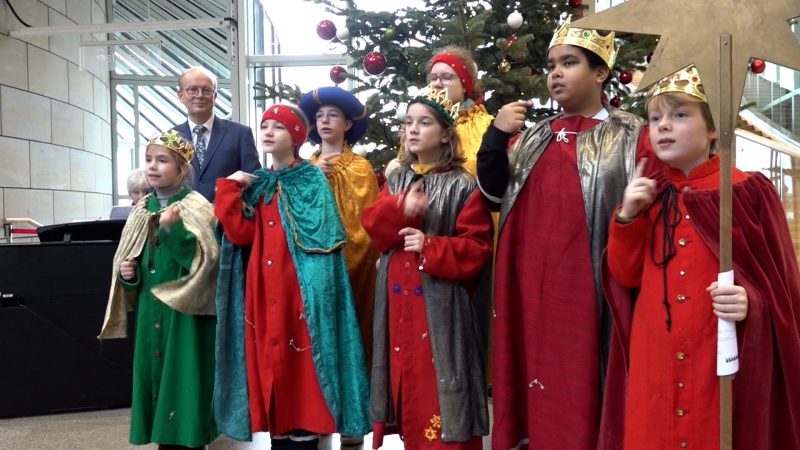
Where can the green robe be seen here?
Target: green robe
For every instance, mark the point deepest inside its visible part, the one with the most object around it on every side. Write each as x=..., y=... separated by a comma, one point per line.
x=173, y=360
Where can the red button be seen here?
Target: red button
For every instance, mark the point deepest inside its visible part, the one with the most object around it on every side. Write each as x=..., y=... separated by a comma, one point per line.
x=158, y=353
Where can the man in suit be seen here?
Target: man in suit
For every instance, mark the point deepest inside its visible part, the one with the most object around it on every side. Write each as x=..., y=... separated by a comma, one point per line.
x=221, y=146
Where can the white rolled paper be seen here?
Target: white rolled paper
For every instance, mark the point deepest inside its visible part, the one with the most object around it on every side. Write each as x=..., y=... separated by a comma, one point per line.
x=727, y=348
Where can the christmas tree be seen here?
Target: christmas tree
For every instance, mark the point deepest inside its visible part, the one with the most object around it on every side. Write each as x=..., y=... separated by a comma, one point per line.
x=509, y=41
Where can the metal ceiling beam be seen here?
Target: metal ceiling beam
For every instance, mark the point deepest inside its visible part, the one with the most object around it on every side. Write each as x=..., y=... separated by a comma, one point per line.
x=119, y=27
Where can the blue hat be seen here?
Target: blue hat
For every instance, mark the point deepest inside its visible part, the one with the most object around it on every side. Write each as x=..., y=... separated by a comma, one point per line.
x=344, y=100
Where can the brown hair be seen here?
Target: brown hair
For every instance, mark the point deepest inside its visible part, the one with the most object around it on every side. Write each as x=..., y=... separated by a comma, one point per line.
x=185, y=170
x=469, y=62
x=451, y=150
x=677, y=99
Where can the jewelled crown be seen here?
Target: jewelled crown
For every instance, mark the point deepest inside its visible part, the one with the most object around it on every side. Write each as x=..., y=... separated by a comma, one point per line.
x=591, y=40
x=175, y=142
x=438, y=100
x=685, y=81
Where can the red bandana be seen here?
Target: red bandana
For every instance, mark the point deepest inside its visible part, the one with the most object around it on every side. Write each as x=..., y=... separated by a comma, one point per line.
x=461, y=70
x=289, y=119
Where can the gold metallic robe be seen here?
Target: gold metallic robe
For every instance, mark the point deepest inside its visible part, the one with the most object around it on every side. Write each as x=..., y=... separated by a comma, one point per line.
x=471, y=123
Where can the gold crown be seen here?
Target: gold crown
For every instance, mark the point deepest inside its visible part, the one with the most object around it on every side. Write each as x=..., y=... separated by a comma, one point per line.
x=439, y=101
x=685, y=81
x=591, y=40
x=175, y=142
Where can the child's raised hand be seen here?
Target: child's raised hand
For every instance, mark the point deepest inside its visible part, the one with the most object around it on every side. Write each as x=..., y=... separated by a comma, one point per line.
x=324, y=164
x=729, y=302
x=639, y=193
x=243, y=179
x=511, y=116
x=413, y=239
x=169, y=215
x=127, y=270
x=415, y=202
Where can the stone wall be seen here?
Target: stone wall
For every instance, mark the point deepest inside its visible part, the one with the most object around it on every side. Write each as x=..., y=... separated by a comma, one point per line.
x=55, y=133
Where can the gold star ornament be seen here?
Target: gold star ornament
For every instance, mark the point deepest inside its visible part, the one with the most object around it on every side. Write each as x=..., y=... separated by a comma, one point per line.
x=690, y=32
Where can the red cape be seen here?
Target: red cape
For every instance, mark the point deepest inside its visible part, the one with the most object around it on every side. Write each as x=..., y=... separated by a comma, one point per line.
x=766, y=397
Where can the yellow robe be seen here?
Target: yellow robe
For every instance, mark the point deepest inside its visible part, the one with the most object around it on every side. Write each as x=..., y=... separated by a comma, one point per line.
x=471, y=123
x=355, y=186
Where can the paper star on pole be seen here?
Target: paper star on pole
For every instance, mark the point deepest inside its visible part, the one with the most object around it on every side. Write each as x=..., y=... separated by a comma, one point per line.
x=690, y=31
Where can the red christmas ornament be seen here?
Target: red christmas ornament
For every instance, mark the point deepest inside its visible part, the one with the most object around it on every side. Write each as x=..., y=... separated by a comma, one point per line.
x=338, y=74
x=575, y=3
x=757, y=65
x=374, y=63
x=649, y=57
x=535, y=72
x=616, y=102
x=326, y=30
x=625, y=77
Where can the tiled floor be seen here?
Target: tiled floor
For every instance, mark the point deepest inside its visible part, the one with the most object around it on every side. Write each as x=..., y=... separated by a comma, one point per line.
x=108, y=430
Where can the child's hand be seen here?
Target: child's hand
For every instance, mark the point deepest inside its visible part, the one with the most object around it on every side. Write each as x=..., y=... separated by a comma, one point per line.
x=169, y=215
x=324, y=164
x=243, y=179
x=413, y=239
x=639, y=193
x=127, y=270
x=729, y=302
x=415, y=202
x=511, y=116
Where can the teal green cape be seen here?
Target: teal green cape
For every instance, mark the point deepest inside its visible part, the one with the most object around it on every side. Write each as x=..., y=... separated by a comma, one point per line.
x=315, y=236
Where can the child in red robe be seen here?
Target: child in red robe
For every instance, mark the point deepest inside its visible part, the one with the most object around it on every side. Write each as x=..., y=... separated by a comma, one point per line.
x=663, y=240
x=434, y=233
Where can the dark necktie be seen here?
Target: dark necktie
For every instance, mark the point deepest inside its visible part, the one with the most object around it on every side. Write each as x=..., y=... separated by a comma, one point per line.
x=200, y=144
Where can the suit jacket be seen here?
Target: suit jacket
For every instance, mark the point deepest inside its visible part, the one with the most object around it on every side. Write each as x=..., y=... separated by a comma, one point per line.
x=231, y=148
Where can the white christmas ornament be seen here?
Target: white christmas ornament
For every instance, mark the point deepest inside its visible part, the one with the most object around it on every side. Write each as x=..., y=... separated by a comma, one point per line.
x=515, y=20
x=401, y=113
x=342, y=33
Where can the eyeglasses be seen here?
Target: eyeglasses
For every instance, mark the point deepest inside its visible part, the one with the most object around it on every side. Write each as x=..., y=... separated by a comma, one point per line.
x=445, y=77
x=206, y=91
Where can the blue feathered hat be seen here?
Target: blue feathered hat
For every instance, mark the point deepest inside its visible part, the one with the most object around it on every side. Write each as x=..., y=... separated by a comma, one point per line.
x=344, y=100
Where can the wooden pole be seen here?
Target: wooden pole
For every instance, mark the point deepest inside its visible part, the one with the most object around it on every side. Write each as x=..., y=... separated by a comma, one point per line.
x=728, y=111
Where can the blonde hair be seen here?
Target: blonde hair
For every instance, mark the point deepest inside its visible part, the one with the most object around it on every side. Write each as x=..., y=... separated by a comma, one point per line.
x=677, y=99
x=469, y=62
x=451, y=150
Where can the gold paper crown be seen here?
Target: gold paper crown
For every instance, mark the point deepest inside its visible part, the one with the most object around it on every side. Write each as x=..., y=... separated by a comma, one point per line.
x=602, y=46
x=685, y=81
x=175, y=142
x=439, y=101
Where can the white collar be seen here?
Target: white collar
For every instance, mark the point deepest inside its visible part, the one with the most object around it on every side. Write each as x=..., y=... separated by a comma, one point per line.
x=209, y=124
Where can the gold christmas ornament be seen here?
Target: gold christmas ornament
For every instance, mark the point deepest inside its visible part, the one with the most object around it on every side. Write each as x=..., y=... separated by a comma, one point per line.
x=504, y=66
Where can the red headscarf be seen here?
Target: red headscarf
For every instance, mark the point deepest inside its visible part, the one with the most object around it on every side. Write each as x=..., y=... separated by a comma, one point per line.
x=461, y=70
x=290, y=119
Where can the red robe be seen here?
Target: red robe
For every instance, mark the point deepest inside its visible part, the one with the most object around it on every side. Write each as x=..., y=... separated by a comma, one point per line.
x=282, y=386
x=412, y=373
x=546, y=356
x=672, y=389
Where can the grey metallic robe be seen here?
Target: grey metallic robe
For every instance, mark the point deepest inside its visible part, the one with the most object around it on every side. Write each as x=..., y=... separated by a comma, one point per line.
x=457, y=321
